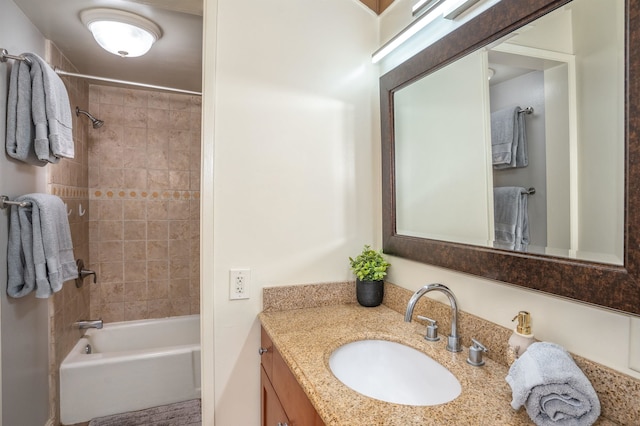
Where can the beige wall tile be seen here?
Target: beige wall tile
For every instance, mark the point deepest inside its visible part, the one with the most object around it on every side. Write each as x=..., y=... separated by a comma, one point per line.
x=136, y=158
x=159, y=308
x=180, y=306
x=157, y=250
x=110, y=251
x=112, y=312
x=135, y=117
x=159, y=100
x=157, y=289
x=112, y=292
x=135, y=291
x=135, y=271
x=143, y=167
x=158, y=119
x=179, y=180
x=110, y=177
x=111, y=272
x=158, y=270
x=112, y=114
x=137, y=98
x=179, y=229
x=110, y=230
x=135, y=250
x=178, y=210
x=135, y=209
x=135, y=310
x=110, y=95
x=135, y=177
x=135, y=229
x=157, y=179
x=157, y=229
x=179, y=249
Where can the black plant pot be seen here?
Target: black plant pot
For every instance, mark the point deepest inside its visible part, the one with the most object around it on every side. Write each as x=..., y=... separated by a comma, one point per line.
x=369, y=293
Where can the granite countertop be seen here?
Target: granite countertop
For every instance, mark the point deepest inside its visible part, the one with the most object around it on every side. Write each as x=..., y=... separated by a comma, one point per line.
x=306, y=337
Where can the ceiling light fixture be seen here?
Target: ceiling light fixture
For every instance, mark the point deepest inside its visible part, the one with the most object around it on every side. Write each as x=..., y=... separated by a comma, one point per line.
x=119, y=32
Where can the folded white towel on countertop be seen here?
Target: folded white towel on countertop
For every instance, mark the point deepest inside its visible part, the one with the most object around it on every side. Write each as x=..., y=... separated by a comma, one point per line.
x=40, y=249
x=553, y=389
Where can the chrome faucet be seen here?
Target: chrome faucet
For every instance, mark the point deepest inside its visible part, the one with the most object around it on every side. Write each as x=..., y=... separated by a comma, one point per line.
x=84, y=324
x=453, y=340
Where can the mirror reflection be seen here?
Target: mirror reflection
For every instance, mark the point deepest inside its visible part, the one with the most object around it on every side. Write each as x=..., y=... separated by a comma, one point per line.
x=520, y=145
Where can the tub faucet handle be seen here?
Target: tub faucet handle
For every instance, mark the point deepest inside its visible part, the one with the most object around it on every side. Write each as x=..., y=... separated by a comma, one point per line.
x=86, y=272
x=83, y=273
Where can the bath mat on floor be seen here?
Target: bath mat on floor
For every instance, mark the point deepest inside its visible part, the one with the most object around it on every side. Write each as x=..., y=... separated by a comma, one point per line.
x=185, y=413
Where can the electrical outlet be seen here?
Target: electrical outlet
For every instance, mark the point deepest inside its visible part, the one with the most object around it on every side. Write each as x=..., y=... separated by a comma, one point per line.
x=239, y=283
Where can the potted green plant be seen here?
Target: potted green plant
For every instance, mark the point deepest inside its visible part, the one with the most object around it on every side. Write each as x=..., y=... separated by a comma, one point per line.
x=369, y=268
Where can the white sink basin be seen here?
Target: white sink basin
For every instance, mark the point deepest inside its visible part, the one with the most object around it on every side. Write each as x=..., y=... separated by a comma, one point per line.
x=393, y=372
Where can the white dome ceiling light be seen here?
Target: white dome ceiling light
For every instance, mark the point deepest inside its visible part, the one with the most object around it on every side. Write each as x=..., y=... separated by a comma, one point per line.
x=119, y=32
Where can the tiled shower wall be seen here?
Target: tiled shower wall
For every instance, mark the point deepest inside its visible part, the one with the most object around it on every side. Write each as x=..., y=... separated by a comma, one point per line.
x=144, y=190
x=68, y=179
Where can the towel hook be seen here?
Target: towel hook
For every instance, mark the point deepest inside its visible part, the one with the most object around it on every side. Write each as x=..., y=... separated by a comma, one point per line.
x=81, y=212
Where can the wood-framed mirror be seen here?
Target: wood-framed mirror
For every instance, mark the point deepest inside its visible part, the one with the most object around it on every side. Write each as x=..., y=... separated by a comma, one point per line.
x=613, y=285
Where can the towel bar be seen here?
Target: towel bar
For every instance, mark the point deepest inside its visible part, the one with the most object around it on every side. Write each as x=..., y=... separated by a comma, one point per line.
x=4, y=55
x=5, y=202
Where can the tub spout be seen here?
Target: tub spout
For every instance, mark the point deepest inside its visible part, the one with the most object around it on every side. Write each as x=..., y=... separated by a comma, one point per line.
x=84, y=324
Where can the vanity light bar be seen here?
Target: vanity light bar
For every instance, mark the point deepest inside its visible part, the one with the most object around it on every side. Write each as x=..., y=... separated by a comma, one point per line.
x=456, y=8
x=409, y=31
x=423, y=6
x=429, y=10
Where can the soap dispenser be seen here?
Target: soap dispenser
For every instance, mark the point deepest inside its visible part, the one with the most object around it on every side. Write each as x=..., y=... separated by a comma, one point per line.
x=522, y=336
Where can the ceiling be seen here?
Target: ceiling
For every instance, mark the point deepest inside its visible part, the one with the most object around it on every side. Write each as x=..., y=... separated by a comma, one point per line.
x=175, y=60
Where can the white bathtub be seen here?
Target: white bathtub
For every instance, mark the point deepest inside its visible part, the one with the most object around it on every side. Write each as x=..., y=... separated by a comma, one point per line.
x=133, y=365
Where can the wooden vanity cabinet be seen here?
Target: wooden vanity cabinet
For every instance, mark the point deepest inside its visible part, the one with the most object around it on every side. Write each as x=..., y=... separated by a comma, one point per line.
x=282, y=400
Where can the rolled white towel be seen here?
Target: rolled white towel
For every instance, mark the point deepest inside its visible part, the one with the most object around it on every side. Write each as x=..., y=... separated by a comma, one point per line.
x=553, y=389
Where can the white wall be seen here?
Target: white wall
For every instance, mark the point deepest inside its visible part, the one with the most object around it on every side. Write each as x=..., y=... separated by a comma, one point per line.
x=600, y=74
x=441, y=117
x=295, y=142
x=24, y=322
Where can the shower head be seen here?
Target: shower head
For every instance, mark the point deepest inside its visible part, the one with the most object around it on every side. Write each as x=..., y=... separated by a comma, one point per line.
x=96, y=123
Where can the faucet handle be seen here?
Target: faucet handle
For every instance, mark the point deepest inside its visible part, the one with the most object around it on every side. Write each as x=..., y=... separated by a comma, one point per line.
x=475, y=353
x=432, y=329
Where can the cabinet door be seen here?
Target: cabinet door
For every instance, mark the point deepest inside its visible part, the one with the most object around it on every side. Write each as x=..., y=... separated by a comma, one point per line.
x=291, y=395
x=272, y=412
